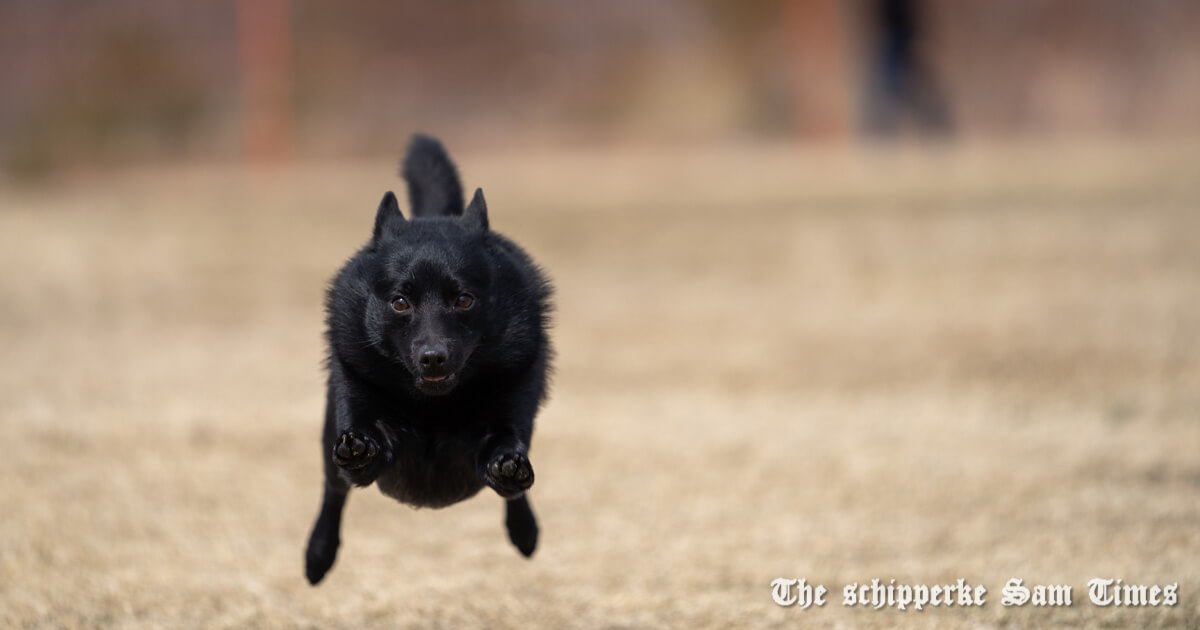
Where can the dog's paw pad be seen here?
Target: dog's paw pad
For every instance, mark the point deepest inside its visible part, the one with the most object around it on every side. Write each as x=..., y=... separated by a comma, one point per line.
x=354, y=450
x=510, y=474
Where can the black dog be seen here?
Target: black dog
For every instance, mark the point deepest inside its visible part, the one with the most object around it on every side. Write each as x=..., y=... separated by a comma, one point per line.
x=438, y=359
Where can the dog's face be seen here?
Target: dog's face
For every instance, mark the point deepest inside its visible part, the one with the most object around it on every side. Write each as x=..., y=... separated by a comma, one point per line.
x=430, y=302
x=429, y=309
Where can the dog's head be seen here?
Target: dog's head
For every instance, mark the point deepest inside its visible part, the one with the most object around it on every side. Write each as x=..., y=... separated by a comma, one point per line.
x=430, y=303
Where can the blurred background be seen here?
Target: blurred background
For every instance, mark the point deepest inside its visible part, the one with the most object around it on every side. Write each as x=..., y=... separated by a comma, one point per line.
x=134, y=81
x=845, y=290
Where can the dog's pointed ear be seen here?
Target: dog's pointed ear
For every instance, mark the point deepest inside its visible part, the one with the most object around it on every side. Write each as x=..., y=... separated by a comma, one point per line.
x=388, y=217
x=475, y=215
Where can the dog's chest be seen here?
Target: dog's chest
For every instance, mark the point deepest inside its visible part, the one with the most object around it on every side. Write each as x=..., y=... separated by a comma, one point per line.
x=430, y=469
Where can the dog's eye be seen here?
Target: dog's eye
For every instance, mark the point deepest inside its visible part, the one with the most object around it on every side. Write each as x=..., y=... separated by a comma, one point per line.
x=400, y=304
x=464, y=301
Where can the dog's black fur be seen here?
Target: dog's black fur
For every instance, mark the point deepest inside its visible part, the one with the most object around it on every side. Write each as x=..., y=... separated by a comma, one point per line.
x=438, y=359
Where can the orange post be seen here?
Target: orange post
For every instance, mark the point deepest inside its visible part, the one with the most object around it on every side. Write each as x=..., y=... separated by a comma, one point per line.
x=821, y=77
x=265, y=58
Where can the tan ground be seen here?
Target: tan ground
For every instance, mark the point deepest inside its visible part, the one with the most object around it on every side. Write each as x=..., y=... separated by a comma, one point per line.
x=839, y=367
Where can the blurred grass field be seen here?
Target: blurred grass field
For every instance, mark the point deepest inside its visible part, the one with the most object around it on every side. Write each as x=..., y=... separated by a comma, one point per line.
x=772, y=363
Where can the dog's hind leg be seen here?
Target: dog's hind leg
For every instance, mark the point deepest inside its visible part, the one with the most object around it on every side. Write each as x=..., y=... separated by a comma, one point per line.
x=326, y=533
x=522, y=526
x=325, y=538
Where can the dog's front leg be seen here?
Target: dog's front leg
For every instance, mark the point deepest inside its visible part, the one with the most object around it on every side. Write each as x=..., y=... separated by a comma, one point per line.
x=359, y=450
x=503, y=464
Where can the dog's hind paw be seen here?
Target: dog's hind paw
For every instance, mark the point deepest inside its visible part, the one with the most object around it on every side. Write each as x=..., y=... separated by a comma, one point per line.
x=522, y=526
x=322, y=550
x=509, y=474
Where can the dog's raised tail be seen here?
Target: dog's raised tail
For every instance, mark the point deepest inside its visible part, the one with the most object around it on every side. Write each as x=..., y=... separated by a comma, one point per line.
x=433, y=187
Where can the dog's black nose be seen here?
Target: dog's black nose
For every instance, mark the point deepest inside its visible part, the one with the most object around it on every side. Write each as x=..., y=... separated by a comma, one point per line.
x=433, y=356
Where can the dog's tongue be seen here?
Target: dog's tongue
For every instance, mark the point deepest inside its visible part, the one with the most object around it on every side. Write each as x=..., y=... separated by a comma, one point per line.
x=434, y=379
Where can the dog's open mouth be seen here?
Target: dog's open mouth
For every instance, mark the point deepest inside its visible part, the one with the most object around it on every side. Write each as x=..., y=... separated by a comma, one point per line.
x=437, y=385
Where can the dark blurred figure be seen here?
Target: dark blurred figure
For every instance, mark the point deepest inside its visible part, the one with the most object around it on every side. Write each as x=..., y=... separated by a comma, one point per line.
x=900, y=84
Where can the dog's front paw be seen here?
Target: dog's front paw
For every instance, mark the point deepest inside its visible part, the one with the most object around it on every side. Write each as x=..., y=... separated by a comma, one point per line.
x=360, y=457
x=509, y=474
x=354, y=450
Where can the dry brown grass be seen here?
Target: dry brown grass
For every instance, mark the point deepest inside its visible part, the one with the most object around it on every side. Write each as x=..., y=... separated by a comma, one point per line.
x=974, y=364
